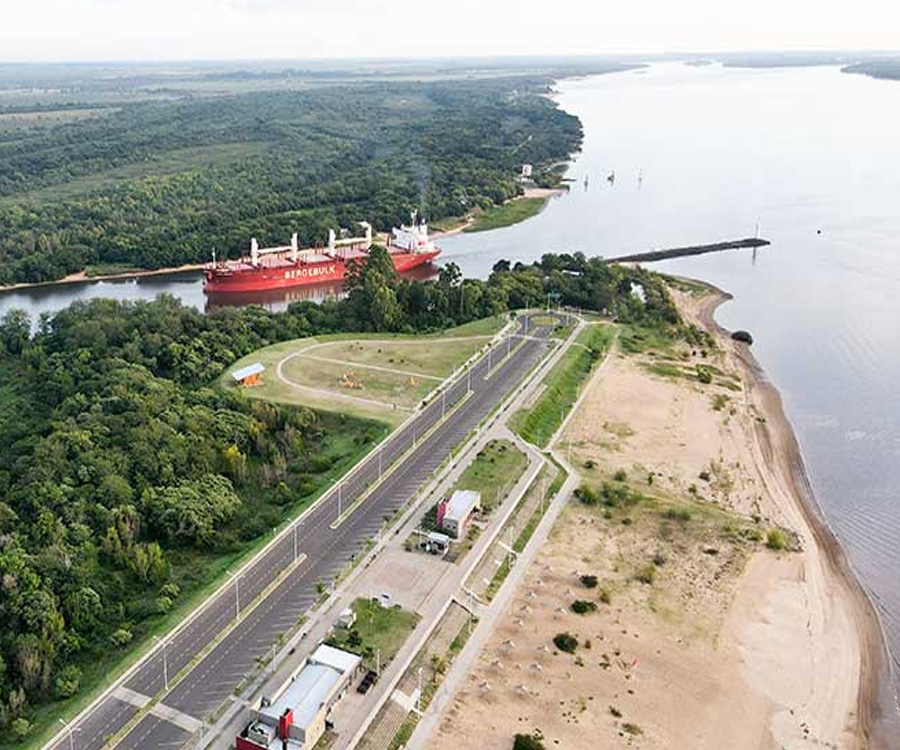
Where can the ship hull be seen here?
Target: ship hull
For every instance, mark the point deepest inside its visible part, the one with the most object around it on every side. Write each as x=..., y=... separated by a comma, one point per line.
x=229, y=279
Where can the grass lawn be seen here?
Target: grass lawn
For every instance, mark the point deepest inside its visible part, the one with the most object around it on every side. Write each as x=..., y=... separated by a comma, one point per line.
x=495, y=470
x=563, y=385
x=493, y=473
x=418, y=355
x=428, y=357
x=376, y=630
x=512, y=212
x=385, y=387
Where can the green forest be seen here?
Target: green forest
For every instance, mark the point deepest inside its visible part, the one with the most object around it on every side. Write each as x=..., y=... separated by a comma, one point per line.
x=161, y=182
x=128, y=481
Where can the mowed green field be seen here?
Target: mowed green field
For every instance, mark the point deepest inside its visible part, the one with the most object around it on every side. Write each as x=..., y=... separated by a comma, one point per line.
x=351, y=378
x=563, y=385
x=495, y=470
x=377, y=376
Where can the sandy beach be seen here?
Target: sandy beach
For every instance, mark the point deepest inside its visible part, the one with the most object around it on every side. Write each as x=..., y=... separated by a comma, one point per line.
x=726, y=616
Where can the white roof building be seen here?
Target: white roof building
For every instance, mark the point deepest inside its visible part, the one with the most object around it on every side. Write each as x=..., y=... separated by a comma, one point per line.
x=295, y=719
x=245, y=372
x=457, y=511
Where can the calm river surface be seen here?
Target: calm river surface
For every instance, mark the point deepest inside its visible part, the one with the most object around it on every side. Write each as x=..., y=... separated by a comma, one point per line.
x=702, y=154
x=802, y=151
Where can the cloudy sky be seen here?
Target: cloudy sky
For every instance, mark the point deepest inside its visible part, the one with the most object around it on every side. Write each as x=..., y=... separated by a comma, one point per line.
x=34, y=30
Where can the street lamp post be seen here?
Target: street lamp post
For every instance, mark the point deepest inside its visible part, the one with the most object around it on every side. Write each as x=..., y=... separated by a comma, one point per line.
x=237, y=594
x=165, y=660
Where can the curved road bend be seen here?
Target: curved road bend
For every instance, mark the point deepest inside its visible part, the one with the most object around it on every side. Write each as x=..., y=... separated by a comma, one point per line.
x=213, y=679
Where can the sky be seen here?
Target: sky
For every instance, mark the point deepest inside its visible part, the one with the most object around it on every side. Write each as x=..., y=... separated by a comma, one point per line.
x=101, y=30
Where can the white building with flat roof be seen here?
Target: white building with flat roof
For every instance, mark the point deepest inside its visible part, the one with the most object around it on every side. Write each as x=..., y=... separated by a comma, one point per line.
x=454, y=514
x=296, y=717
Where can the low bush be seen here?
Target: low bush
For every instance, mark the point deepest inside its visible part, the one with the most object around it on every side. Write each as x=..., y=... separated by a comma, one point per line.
x=647, y=574
x=586, y=495
x=528, y=742
x=776, y=540
x=682, y=515
x=565, y=642
x=588, y=581
x=582, y=606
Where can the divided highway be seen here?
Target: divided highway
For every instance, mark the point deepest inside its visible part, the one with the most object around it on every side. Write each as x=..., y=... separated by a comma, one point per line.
x=322, y=546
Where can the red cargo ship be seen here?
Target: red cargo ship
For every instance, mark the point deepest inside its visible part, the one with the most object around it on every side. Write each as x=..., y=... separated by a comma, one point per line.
x=289, y=266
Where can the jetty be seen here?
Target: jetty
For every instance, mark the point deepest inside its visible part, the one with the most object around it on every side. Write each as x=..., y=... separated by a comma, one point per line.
x=680, y=252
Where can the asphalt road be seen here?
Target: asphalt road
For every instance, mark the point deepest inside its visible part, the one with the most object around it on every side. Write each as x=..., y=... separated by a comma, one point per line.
x=327, y=551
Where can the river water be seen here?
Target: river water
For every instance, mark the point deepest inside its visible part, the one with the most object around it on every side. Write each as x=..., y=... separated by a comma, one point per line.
x=702, y=154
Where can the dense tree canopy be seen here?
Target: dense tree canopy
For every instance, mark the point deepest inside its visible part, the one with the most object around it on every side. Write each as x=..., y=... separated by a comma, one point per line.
x=124, y=467
x=157, y=184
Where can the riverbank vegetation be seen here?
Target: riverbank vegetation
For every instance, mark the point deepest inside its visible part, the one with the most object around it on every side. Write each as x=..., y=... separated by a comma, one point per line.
x=129, y=482
x=159, y=183
x=507, y=214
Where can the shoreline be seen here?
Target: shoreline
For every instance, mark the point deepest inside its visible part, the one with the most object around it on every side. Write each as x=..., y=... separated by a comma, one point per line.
x=875, y=660
x=82, y=277
x=780, y=648
x=466, y=223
